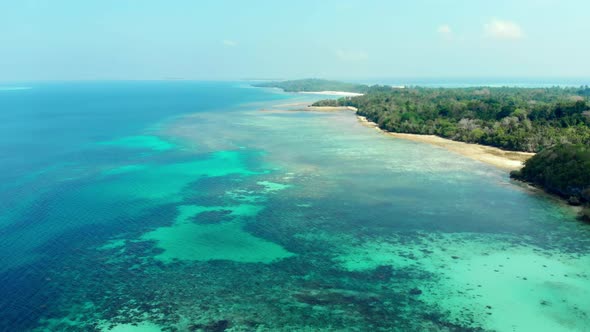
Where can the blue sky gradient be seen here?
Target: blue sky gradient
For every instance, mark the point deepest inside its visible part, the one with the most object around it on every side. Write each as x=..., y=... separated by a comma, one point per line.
x=370, y=39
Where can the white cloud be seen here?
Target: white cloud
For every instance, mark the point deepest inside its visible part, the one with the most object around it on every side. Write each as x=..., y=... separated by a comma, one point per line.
x=229, y=43
x=353, y=56
x=500, y=29
x=444, y=30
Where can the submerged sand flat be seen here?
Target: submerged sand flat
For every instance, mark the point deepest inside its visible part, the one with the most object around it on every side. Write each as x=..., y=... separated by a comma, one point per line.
x=140, y=142
x=188, y=239
x=330, y=108
x=139, y=327
x=306, y=106
x=492, y=280
x=507, y=160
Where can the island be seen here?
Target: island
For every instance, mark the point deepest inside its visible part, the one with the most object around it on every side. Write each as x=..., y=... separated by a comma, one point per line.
x=315, y=85
x=552, y=122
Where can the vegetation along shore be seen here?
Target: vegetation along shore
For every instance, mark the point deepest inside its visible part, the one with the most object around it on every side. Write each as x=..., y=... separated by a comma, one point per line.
x=552, y=122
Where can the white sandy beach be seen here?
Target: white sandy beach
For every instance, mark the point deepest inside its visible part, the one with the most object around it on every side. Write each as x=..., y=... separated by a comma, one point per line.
x=506, y=160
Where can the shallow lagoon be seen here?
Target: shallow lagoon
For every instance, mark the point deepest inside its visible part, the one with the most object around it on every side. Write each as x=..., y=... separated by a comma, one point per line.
x=240, y=219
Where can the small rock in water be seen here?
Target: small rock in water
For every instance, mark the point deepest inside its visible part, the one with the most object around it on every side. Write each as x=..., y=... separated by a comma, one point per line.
x=415, y=291
x=575, y=201
x=455, y=257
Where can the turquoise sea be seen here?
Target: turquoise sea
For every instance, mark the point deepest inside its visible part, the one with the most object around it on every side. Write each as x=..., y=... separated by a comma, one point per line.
x=209, y=206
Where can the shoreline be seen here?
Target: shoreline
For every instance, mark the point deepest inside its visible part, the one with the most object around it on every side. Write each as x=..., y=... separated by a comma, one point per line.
x=307, y=107
x=310, y=108
x=332, y=93
x=502, y=159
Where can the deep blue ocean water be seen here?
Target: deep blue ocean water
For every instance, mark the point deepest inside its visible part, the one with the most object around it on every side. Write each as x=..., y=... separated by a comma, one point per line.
x=206, y=206
x=48, y=137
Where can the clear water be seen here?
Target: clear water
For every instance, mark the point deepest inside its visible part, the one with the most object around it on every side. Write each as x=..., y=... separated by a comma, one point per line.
x=181, y=206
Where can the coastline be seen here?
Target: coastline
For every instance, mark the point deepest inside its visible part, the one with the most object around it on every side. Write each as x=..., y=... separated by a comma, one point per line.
x=332, y=93
x=505, y=160
x=310, y=108
x=306, y=107
x=502, y=159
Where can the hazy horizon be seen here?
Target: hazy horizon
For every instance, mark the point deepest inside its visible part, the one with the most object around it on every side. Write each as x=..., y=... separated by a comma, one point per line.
x=444, y=82
x=345, y=40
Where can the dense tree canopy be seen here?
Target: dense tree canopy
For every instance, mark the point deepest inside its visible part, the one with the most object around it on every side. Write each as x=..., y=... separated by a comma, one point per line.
x=520, y=119
x=563, y=170
x=315, y=85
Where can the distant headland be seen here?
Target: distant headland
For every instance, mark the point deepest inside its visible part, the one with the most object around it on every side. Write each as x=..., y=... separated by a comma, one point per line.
x=315, y=85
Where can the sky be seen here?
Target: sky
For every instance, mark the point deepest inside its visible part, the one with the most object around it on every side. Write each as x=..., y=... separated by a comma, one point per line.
x=257, y=39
